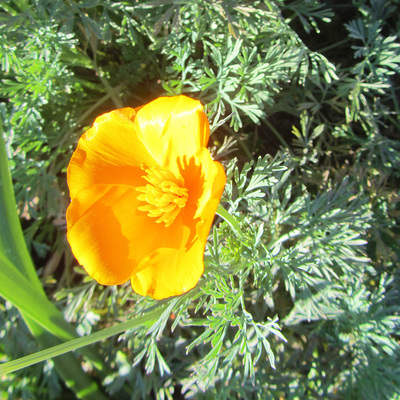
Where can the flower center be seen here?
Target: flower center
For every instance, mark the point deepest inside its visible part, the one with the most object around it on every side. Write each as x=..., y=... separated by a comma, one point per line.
x=164, y=194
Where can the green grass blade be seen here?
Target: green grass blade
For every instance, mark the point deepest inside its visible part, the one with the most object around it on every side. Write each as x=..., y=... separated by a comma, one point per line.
x=67, y=366
x=21, y=293
x=12, y=242
x=21, y=269
x=77, y=343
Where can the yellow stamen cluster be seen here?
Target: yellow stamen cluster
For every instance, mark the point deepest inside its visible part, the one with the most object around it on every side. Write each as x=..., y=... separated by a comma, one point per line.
x=164, y=194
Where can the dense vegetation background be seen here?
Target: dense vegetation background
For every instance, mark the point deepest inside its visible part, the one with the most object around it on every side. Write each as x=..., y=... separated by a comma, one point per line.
x=300, y=298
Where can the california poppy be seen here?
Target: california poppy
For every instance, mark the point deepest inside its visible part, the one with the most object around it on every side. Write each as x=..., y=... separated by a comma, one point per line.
x=144, y=192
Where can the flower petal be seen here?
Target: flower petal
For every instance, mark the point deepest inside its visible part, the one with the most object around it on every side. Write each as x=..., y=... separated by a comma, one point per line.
x=172, y=127
x=205, y=180
x=169, y=272
x=108, y=152
x=109, y=236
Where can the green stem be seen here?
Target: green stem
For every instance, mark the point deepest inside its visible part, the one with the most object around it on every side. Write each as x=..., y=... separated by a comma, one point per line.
x=277, y=134
x=80, y=342
x=230, y=220
x=111, y=91
x=333, y=46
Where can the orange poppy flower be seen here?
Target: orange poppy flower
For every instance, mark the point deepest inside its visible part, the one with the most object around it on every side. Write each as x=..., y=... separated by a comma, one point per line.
x=144, y=192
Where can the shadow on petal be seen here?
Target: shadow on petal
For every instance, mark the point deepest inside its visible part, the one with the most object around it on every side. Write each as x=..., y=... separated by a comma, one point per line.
x=169, y=272
x=98, y=243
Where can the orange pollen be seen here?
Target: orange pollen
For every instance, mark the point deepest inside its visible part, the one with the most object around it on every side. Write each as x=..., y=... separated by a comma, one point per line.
x=164, y=194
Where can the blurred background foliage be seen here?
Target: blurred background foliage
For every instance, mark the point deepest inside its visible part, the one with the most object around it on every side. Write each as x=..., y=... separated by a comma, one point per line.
x=300, y=298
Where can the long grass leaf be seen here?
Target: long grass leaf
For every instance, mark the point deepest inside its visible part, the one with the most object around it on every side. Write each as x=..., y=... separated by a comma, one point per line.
x=77, y=343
